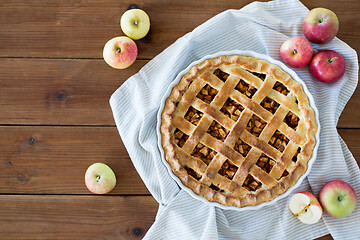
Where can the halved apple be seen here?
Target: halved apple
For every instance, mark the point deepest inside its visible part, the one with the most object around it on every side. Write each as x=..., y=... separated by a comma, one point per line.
x=305, y=207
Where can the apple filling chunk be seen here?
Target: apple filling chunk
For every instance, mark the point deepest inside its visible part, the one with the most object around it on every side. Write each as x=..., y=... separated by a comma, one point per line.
x=232, y=109
x=193, y=116
x=251, y=183
x=265, y=163
x=218, y=131
x=255, y=125
x=207, y=94
x=242, y=147
x=270, y=104
x=278, y=86
x=228, y=170
x=292, y=120
x=279, y=141
x=180, y=137
x=221, y=75
x=203, y=153
x=245, y=88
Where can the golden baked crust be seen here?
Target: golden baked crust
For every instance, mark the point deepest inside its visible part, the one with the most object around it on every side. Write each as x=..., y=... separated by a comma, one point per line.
x=238, y=130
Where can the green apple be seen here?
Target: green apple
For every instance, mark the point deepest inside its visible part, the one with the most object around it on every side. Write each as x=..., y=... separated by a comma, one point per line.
x=338, y=198
x=99, y=178
x=120, y=52
x=135, y=23
x=305, y=207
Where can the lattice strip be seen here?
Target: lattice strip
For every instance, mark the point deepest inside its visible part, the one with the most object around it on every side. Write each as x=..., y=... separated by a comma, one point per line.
x=285, y=159
x=189, y=96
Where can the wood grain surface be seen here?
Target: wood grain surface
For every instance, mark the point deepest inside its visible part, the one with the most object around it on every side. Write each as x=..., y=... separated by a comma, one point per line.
x=79, y=28
x=75, y=217
x=55, y=118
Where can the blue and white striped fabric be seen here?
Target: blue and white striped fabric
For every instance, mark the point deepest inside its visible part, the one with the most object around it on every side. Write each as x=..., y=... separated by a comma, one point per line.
x=259, y=27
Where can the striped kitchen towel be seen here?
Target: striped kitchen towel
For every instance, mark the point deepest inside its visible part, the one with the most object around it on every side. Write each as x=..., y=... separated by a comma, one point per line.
x=259, y=27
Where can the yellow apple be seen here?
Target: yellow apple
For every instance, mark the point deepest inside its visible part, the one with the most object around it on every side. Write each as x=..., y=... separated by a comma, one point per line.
x=135, y=23
x=100, y=178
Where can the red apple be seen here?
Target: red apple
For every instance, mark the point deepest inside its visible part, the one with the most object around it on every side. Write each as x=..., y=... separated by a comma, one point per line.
x=320, y=25
x=120, y=52
x=327, y=66
x=338, y=198
x=99, y=178
x=305, y=207
x=296, y=52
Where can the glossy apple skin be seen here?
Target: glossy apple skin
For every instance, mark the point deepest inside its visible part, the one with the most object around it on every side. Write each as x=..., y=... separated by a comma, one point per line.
x=329, y=198
x=135, y=23
x=120, y=52
x=320, y=25
x=100, y=178
x=327, y=66
x=296, y=52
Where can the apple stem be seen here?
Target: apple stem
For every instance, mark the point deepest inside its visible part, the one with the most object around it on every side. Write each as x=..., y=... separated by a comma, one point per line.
x=118, y=51
x=321, y=20
x=136, y=22
x=294, y=51
x=97, y=178
x=332, y=59
x=341, y=197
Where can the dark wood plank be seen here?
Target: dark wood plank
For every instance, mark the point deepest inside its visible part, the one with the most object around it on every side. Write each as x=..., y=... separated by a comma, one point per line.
x=77, y=92
x=53, y=160
x=59, y=92
x=75, y=217
x=81, y=217
x=79, y=29
x=326, y=237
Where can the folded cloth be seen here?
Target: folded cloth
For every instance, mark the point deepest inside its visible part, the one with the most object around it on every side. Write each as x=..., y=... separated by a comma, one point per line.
x=259, y=27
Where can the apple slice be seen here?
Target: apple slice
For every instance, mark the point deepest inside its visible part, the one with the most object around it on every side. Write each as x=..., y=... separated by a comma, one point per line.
x=305, y=207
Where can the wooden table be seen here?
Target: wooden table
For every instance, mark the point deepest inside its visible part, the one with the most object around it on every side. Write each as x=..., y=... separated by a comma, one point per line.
x=56, y=120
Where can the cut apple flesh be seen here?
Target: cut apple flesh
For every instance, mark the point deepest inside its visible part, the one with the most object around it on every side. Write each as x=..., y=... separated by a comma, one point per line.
x=311, y=215
x=302, y=207
x=298, y=203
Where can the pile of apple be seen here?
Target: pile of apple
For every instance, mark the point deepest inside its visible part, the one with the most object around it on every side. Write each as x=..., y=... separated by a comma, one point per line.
x=336, y=197
x=319, y=26
x=121, y=52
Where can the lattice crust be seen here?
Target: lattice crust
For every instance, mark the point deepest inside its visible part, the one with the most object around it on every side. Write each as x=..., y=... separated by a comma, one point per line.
x=238, y=130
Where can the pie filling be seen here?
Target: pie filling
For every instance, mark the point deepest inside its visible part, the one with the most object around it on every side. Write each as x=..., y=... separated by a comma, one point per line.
x=221, y=75
x=232, y=109
x=180, y=137
x=246, y=88
x=279, y=141
x=270, y=104
x=242, y=147
x=218, y=131
x=265, y=163
x=251, y=183
x=292, y=120
x=203, y=153
x=228, y=169
x=207, y=93
x=255, y=125
x=193, y=116
x=278, y=86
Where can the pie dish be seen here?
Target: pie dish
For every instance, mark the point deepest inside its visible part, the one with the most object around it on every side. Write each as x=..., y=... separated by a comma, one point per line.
x=238, y=130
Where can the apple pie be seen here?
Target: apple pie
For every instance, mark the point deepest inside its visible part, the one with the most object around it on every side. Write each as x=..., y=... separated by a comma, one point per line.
x=238, y=130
